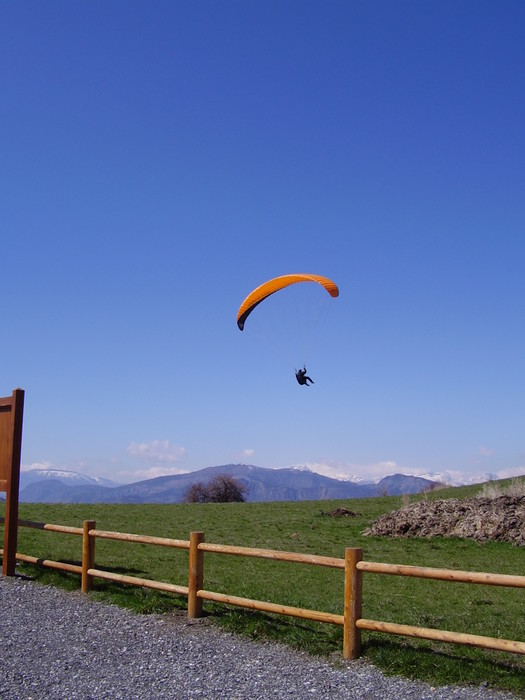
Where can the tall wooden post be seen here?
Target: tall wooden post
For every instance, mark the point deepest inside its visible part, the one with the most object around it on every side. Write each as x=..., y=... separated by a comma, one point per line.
x=88, y=555
x=11, y=413
x=195, y=575
x=353, y=603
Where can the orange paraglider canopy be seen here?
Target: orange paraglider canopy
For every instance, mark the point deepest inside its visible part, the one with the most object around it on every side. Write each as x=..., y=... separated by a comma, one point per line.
x=274, y=285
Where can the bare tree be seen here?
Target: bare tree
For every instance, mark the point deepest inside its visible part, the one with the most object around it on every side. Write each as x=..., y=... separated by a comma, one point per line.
x=225, y=489
x=221, y=489
x=196, y=493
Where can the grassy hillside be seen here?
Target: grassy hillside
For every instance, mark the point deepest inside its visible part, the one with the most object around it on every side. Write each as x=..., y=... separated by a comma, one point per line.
x=516, y=484
x=307, y=527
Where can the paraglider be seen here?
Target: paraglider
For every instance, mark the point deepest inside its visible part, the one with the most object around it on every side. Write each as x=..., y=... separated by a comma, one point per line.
x=302, y=377
x=262, y=292
x=276, y=284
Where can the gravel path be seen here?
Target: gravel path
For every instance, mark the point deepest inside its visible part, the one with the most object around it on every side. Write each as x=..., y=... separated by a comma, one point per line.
x=63, y=646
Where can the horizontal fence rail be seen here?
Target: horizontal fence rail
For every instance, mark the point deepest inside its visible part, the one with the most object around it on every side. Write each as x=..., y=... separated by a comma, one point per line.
x=315, y=615
x=135, y=581
x=276, y=555
x=442, y=636
x=142, y=539
x=353, y=566
x=442, y=574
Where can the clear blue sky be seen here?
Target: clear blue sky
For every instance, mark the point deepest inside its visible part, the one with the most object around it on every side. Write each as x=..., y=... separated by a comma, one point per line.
x=161, y=159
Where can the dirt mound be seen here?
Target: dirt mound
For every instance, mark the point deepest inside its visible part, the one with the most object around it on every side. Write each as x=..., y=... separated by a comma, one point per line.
x=340, y=513
x=500, y=519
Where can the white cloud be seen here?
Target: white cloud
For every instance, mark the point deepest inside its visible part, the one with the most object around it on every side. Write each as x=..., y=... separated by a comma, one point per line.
x=377, y=470
x=36, y=465
x=352, y=472
x=330, y=469
x=143, y=474
x=511, y=472
x=243, y=455
x=485, y=452
x=160, y=451
x=453, y=477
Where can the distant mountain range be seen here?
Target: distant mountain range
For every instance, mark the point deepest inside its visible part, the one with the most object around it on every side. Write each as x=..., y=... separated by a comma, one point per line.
x=62, y=486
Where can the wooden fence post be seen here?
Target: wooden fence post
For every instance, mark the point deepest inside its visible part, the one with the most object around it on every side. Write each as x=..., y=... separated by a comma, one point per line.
x=353, y=603
x=11, y=413
x=195, y=575
x=88, y=555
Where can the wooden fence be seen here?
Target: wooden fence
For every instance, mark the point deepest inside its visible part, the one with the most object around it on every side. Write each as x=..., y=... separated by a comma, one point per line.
x=353, y=566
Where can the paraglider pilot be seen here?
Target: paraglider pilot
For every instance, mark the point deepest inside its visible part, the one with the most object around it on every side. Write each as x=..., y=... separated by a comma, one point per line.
x=302, y=377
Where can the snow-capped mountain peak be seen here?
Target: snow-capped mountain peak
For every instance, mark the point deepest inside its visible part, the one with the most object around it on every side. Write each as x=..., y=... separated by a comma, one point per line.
x=332, y=473
x=65, y=476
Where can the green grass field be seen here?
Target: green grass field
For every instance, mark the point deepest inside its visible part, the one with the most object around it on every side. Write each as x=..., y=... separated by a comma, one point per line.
x=302, y=527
